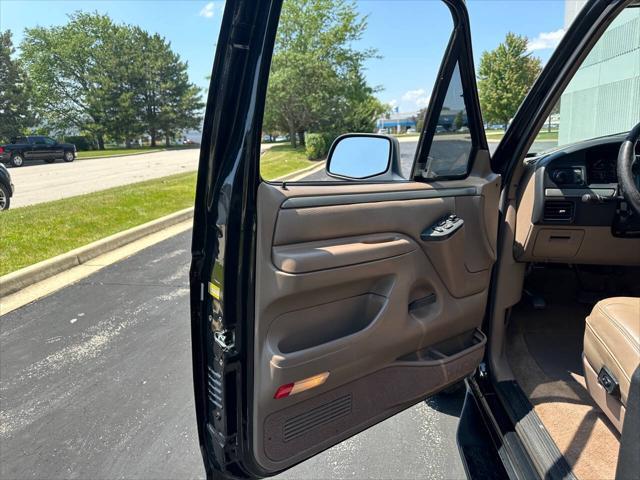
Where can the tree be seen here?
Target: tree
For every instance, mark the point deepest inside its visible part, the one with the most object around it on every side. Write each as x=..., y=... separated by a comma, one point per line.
x=420, y=117
x=118, y=81
x=458, y=121
x=361, y=108
x=16, y=112
x=169, y=102
x=64, y=65
x=118, y=93
x=316, y=80
x=505, y=76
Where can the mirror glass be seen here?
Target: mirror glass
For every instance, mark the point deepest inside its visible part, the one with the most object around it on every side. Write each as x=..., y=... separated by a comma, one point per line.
x=360, y=157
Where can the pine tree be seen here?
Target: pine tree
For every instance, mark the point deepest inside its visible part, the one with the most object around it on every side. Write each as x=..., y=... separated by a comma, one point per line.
x=16, y=114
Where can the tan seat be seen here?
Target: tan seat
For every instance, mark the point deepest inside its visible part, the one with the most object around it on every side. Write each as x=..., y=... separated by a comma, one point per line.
x=612, y=353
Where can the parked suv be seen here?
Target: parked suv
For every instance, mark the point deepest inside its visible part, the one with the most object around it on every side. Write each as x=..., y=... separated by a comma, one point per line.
x=36, y=147
x=6, y=188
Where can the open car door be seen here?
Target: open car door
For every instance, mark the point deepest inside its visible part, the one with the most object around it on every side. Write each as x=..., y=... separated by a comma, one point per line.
x=321, y=308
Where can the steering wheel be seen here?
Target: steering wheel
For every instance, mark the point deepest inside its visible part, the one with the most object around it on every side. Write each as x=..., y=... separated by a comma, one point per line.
x=626, y=157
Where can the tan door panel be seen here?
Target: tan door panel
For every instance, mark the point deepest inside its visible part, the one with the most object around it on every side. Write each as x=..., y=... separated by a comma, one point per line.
x=346, y=286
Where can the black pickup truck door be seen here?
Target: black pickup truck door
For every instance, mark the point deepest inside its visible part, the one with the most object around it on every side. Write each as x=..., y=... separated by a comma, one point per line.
x=292, y=357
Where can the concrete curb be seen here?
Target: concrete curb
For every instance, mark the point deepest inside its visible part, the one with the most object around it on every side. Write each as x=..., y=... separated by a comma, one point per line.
x=15, y=281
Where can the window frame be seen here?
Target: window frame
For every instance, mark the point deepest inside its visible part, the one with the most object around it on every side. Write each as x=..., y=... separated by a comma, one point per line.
x=454, y=51
x=459, y=52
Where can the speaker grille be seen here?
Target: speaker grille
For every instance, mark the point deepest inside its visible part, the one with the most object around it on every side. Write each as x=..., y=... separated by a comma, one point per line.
x=299, y=425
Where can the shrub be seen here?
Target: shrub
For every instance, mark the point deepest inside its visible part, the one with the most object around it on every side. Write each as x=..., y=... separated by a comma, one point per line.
x=81, y=143
x=318, y=144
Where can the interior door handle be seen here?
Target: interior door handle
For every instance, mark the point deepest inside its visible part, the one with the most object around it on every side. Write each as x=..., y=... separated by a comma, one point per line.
x=442, y=229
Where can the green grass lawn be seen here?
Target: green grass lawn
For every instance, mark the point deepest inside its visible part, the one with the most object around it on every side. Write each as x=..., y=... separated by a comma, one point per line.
x=31, y=234
x=280, y=160
x=542, y=135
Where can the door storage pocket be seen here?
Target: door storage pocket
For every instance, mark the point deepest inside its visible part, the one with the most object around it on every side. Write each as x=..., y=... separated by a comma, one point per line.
x=321, y=324
x=457, y=356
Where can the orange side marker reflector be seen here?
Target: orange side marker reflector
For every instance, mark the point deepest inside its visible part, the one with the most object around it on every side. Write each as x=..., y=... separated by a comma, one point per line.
x=301, y=385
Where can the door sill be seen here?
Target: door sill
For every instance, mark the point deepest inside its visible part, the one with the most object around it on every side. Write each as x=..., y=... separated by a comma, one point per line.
x=542, y=450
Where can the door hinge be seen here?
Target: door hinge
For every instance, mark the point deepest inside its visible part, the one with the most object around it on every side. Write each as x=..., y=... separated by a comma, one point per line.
x=226, y=339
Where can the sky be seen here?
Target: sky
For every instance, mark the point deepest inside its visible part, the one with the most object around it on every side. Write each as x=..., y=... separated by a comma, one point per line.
x=409, y=35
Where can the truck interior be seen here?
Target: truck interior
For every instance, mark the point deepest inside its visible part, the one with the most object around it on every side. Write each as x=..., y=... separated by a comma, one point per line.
x=565, y=328
x=572, y=304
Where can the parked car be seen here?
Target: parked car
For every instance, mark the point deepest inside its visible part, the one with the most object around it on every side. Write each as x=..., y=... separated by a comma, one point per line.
x=6, y=188
x=36, y=147
x=440, y=129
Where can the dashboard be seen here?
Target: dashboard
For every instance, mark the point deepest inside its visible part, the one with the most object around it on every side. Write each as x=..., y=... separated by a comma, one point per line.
x=592, y=165
x=601, y=164
x=570, y=208
x=579, y=186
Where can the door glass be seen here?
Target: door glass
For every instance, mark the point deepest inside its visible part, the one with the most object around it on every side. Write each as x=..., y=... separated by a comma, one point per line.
x=451, y=147
x=334, y=73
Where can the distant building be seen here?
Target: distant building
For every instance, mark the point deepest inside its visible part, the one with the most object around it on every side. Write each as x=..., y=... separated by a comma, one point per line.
x=400, y=122
x=447, y=118
x=397, y=122
x=604, y=95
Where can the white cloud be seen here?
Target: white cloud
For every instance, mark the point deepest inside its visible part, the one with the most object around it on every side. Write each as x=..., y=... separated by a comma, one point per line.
x=209, y=10
x=392, y=103
x=546, y=40
x=422, y=102
x=417, y=97
x=413, y=95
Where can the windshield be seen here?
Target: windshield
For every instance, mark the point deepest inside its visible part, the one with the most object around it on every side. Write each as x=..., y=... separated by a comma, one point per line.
x=603, y=97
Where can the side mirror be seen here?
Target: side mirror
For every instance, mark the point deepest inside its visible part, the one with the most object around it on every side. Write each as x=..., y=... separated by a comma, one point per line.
x=359, y=156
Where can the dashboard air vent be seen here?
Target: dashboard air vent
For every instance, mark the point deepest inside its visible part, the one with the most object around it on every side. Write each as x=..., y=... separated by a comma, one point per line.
x=558, y=210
